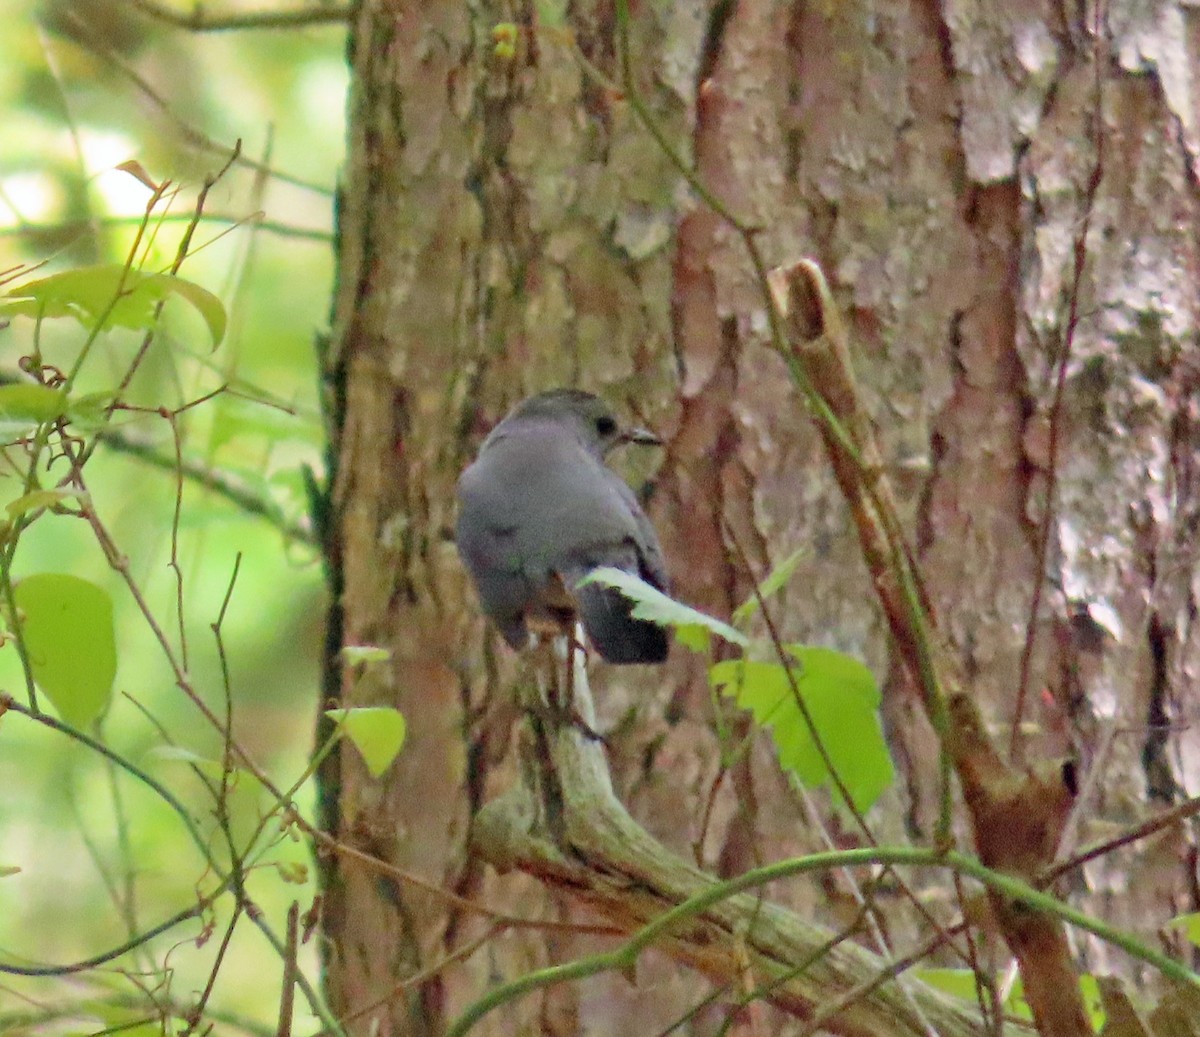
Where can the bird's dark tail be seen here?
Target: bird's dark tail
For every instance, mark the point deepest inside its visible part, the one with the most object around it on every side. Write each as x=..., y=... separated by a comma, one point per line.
x=612, y=630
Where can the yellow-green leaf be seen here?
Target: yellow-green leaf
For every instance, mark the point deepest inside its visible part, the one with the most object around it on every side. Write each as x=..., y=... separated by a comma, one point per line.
x=842, y=703
x=365, y=654
x=1190, y=924
x=89, y=412
x=376, y=731
x=39, y=499
x=179, y=754
x=959, y=982
x=67, y=627
x=124, y=298
x=27, y=404
x=775, y=580
x=293, y=872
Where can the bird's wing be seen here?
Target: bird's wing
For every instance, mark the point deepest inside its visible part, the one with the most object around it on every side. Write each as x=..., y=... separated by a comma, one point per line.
x=652, y=562
x=487, y=535
x=624, y=539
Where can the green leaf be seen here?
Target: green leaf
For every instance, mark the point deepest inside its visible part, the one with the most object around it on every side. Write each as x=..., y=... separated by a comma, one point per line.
x=294, y=873
x=365, y=654
x=89, y=412
x=67, y=627
x=87, y=293
x=774, y=582
x=25, y=405
x=178, y=754
x=843, y=702
x=376, y=731
x=32, y=402
x=693, y=628
x=1190, y=924
x=1089, y=988
x=237, y=777
x=958, y=982
x=40, y=499
x=961, y=984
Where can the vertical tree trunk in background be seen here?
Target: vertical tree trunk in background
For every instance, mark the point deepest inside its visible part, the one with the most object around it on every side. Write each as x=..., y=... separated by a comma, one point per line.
x=507, y=226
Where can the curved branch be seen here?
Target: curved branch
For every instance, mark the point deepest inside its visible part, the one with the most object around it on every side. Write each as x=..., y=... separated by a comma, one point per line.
x=565, y=827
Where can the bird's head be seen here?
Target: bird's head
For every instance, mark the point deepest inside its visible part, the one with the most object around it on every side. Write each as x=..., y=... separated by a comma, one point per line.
x=591, y=418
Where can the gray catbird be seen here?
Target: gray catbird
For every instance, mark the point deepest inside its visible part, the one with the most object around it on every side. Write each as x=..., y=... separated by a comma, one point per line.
x=539, y=510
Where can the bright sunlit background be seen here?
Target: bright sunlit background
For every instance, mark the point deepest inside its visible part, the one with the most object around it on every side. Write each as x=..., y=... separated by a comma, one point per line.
x=85, y=88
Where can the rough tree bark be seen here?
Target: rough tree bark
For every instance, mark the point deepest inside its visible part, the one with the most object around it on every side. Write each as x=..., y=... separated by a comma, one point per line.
x=977, y=181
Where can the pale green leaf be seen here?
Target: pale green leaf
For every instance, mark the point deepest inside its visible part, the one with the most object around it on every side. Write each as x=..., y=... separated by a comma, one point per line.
x=67, y=628
x=1089, y=988
x=178, y=754
x=365, y=654
x=89, y=412
x=959, y=983
x=39, y=499
x=294, y=873
x=551, y=14
x=376, y=731
x=87, y=294
x=1190, y=924
x=25, y=405
x=774, y=582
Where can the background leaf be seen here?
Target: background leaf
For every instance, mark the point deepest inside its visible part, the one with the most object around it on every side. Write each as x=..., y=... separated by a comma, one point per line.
x=67, y=627
x=40, y=499
x=87, y=293
x=774, y=582
x=1190, y=924
x=25, y=405
x=365, y=654
x=376, y=731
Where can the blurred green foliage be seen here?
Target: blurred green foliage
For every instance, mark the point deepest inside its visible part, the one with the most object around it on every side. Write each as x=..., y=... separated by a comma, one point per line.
x=86, y=87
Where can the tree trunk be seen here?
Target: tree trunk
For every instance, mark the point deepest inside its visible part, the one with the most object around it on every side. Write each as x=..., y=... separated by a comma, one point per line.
x=986, y=187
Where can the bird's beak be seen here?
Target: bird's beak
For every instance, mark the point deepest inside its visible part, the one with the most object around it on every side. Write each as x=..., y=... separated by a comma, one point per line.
x=641, y=436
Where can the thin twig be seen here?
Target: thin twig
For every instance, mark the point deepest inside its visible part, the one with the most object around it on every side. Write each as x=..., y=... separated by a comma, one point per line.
x=194, y=911
x=291, y=972
x=176, y=517
x=200, y=21
x=1185, y=810
x=462, y=953
x=196, y=1012
x=895, y=969
x=255, y=219
x=626, y=955
x=190, y=134
x=7, y=702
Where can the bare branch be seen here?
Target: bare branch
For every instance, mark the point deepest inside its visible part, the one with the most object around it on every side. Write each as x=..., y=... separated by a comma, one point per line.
x=199, y=21
x=226, y=485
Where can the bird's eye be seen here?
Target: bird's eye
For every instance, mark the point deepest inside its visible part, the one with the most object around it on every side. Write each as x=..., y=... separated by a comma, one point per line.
x=606, y=425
